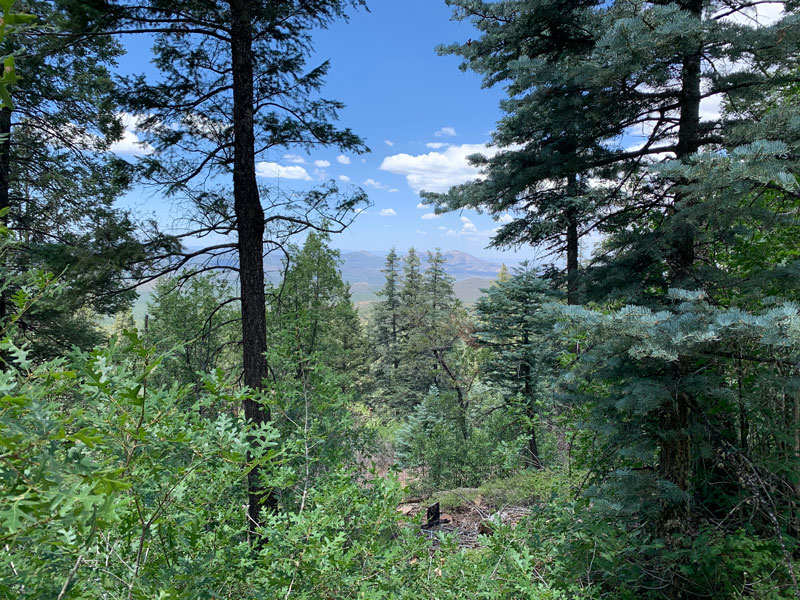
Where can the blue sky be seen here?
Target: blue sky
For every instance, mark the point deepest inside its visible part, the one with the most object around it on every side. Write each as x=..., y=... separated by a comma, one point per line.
x=419, y=114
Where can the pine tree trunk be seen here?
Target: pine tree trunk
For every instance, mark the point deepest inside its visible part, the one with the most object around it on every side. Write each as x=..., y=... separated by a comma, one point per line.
x=675, y=443
x=572, y=245
x=795, y=460
x=250, y=229
x=527, y=391
x=5, y=164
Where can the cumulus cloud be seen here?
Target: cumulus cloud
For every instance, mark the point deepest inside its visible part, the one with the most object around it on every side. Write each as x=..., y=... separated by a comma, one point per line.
x=344, y=178
x=321, y=164
x=437, y=171
x=446, y=132
x=343, y=160
x=388, y=212
x=422, y=206
x=388, y=142
x=437, y=145
x=378, y=185
x=294, y=158
x=270, y=169
x=130, y=144
x=506, y=218
x=429, y=216
x=471, y=231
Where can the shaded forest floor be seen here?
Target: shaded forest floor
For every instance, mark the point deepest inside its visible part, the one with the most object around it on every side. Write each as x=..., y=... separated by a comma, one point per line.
x=472, y=511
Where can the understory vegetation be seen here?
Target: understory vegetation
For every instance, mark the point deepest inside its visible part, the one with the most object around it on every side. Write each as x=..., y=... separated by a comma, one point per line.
x=624, y=423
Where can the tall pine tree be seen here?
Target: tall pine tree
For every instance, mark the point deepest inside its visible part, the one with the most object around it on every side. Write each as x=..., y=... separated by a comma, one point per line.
x=672, y=185
x=233, y=86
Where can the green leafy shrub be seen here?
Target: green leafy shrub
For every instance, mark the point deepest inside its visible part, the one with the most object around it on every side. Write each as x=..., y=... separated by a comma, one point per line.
x=432, y=444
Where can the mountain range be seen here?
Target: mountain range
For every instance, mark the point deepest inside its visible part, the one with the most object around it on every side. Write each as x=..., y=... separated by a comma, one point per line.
x=363, y=271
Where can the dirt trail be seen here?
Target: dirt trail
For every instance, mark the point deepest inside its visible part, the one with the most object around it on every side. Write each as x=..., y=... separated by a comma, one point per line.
x=468, y=521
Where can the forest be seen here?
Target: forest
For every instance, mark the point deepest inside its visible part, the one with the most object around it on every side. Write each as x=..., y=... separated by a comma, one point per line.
x=619, y=420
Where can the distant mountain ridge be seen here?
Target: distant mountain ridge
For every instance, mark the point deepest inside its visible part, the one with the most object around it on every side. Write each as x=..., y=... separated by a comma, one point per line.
x=363, y=271
x=366, y=266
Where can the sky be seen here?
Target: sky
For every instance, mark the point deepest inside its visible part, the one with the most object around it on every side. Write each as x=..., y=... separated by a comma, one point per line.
x=419, y=114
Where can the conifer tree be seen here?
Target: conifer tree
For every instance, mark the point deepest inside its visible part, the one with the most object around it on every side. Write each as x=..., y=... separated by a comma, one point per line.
x=311, y=314
x=669, y=183
x=59, y=180
x=194, y=319
x=514, y=325
x=385, y=324
x=234, y=85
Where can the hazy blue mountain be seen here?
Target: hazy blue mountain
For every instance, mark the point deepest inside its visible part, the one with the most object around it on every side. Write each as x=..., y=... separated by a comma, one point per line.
x=362, y=270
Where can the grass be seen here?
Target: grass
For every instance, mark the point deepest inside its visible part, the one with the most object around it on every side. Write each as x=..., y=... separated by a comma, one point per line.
x=523, y=489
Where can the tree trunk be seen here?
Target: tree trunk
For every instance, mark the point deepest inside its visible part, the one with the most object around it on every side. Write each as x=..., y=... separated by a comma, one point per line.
x=572, y=244
x=527, y=391
x=675, y=443
x=5, y=164
x=250, y=230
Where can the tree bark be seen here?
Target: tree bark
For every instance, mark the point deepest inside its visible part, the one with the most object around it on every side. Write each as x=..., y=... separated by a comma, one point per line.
x=675, y=443
x=572, y=244
x=5, y=169
x=530, y=409
x=250, y=230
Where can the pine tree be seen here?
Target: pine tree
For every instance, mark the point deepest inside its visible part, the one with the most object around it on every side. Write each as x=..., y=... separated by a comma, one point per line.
x=545, y=137
x=194, y=320
x=385, y=324
x=59, y=180
x=514, y=325
x=233, y=86
x=669, y=206
x=311, y=315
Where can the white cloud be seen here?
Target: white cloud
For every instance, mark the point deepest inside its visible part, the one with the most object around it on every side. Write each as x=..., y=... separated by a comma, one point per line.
x=429, y=216
x=321, y=164
x=711, y=108
x=294, y=158
x=419, y=231
x=442, y=228
x=344, y=178
x=130, y=144
x=393, y=190
x=270, y=169
x=506, y=218
x=388, y=142
x=422, y=206
x=451, y=232
x=376, y=184
x=446, y=132
x=761, y=15
x=437, y=171
x=467, y=226
x=437, y=145
x=343, y=160
x=388, y=212
x=471, y=231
